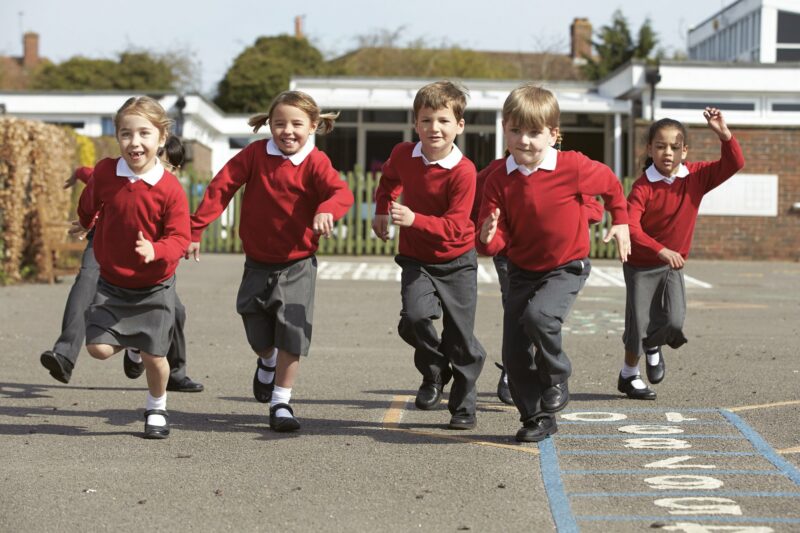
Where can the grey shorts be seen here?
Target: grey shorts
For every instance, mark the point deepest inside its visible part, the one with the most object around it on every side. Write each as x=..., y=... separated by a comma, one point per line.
x=134, y=318
x=276, y=302
x=655, y=307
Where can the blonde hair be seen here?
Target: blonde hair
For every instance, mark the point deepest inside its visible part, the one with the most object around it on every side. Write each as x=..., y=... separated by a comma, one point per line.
x=150, y=109
x=302, y=101
x=531, y=107
x=442, y=94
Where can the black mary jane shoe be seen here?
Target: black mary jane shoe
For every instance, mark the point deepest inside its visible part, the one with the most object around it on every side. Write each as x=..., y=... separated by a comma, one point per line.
x=625, y=386
x=282, y=424
x=503, y=392
x=537, y=430
x=262, y=392
x=156, y=432
x=555, y=398
x=655, y=373
x=132, y=370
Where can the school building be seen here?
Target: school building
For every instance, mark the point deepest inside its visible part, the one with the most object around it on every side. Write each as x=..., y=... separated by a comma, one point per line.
x=754, y=79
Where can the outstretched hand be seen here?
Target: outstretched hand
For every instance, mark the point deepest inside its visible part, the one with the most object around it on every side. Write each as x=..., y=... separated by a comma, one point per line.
x=323, y=224
x=380, y=225
x=622, y=235
x=193, y=250
x=489, y=226
x=76, y=230
x=71, y=181
x=672, y=258
x=145, y=248
x=402, y=215
x=717, y=123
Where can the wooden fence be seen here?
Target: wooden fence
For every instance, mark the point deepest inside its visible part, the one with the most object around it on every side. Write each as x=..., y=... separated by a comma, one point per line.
x=353, y=233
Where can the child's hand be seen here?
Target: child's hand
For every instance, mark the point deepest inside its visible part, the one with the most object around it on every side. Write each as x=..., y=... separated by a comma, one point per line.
x=145, y=248
x=672, y=258
x=71, y=181
x=323, y=224
x=193, y=249
x=489, y=226
x=380, y=225
x=402, y=215
x=717, y=123
x=76, y=230
x=622, y=235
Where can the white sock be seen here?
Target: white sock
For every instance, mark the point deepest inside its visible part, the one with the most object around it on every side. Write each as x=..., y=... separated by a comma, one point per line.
x=281, y=395
x=505, y=378
x=134, y=355
x=265, y=376
x=156, y=403
x=652, y=355
x=629, y=371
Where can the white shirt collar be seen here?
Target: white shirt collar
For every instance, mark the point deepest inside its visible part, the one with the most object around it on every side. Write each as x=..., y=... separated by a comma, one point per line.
x=151, y=177
x=448, y=162
x=548, y=163
x=296, y=158
x=653, y=175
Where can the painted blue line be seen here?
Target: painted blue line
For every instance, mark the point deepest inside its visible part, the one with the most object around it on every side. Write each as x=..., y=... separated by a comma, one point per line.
x=647, y=410
x=628, y=422
x=554, y=486
x=689, y=518
x=694, y=472
x=683, y=493
x=762, y=447
x=660, y=436
x=656, y=452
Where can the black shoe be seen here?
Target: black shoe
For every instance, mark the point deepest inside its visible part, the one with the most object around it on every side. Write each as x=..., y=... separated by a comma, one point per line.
x=132, y=370
x=156, y=432
x=503, y=392
x=184, y=385
x=262, y=392
x=655, y=373
x=282, y=423
x=536, y=430
x=555, y=398
x=462, y=422
x=59, y=366
x=428, y=396
x=625, y=386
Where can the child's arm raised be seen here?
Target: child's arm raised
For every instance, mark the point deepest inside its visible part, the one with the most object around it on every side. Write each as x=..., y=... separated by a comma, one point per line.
x=714, y=173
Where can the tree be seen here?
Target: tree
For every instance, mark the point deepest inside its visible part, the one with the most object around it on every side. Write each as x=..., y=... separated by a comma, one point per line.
x=616, y=46
x=137, y=70
x=263, y=70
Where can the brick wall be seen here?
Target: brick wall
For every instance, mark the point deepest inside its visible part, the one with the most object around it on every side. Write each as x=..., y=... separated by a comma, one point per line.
x=767, y=150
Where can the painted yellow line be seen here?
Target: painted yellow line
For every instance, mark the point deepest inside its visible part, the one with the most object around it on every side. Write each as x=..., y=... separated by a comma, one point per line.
x=763, y=406
x=391, y=421
x=789, y=450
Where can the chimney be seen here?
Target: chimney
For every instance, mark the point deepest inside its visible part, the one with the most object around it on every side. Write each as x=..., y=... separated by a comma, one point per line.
x=581, y=36
x=30, y=49
x=298, y=27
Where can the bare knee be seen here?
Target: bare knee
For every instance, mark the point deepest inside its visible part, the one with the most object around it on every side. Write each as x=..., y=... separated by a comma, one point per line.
x=100, y=351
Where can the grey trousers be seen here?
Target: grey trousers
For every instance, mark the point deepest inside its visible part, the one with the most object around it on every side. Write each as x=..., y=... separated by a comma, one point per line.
x=537, y=305
x=448, y=291
x=73, y=323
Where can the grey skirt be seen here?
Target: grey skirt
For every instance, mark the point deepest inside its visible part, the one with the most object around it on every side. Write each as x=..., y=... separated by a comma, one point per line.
x=276, y=302
x=134, y=318
x=655, y=308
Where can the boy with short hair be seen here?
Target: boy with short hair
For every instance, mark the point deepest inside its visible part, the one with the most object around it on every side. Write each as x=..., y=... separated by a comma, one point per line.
x=533, y=206
x=437, y=250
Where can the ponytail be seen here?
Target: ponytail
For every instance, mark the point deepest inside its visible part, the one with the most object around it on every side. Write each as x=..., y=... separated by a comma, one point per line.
x=173, y=152
x=647, y=163
x=326, y=121
x=258, y=121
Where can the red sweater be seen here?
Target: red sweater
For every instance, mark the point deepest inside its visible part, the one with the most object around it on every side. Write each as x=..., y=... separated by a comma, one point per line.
x=542, y=221
x=663, y=215
x=279, y=203
x=159, y=211
x=591, y=207
x=440, y=198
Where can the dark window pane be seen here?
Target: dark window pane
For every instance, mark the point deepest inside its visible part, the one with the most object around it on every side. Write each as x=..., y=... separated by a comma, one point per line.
x=789, y=55
x=346, y=115
x=340, y=146
x=788, y=27
x=786, y=107
x=480, y=117
x=386, y=115
x=729, y=106
x=479, y=148
x=379, y=147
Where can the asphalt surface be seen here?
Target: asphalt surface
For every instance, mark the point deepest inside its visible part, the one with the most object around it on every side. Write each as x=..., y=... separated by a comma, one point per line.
x=719, y=447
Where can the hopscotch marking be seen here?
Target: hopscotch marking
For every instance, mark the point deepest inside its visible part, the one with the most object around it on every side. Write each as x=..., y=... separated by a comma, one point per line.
x=685, y=484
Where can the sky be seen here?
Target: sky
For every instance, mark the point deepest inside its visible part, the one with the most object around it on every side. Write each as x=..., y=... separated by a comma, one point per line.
x=213, y=32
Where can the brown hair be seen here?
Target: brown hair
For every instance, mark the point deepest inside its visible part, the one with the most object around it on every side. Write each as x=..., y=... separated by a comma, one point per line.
x=302, y=101
x=532, y=108
x=151, y=110
x=442, y=94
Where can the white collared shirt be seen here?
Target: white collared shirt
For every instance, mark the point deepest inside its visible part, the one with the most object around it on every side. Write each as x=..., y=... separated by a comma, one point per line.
x=448, y=162
x=653, y=175
x=548, y=163
x=296, y=158
x=151, y=177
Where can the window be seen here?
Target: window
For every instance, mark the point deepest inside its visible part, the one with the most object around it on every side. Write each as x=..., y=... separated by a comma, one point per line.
x=107, y=126
x=726, y=106
x=788, y=28
x=786, y=107
x=394, y=116
x=340, y=146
